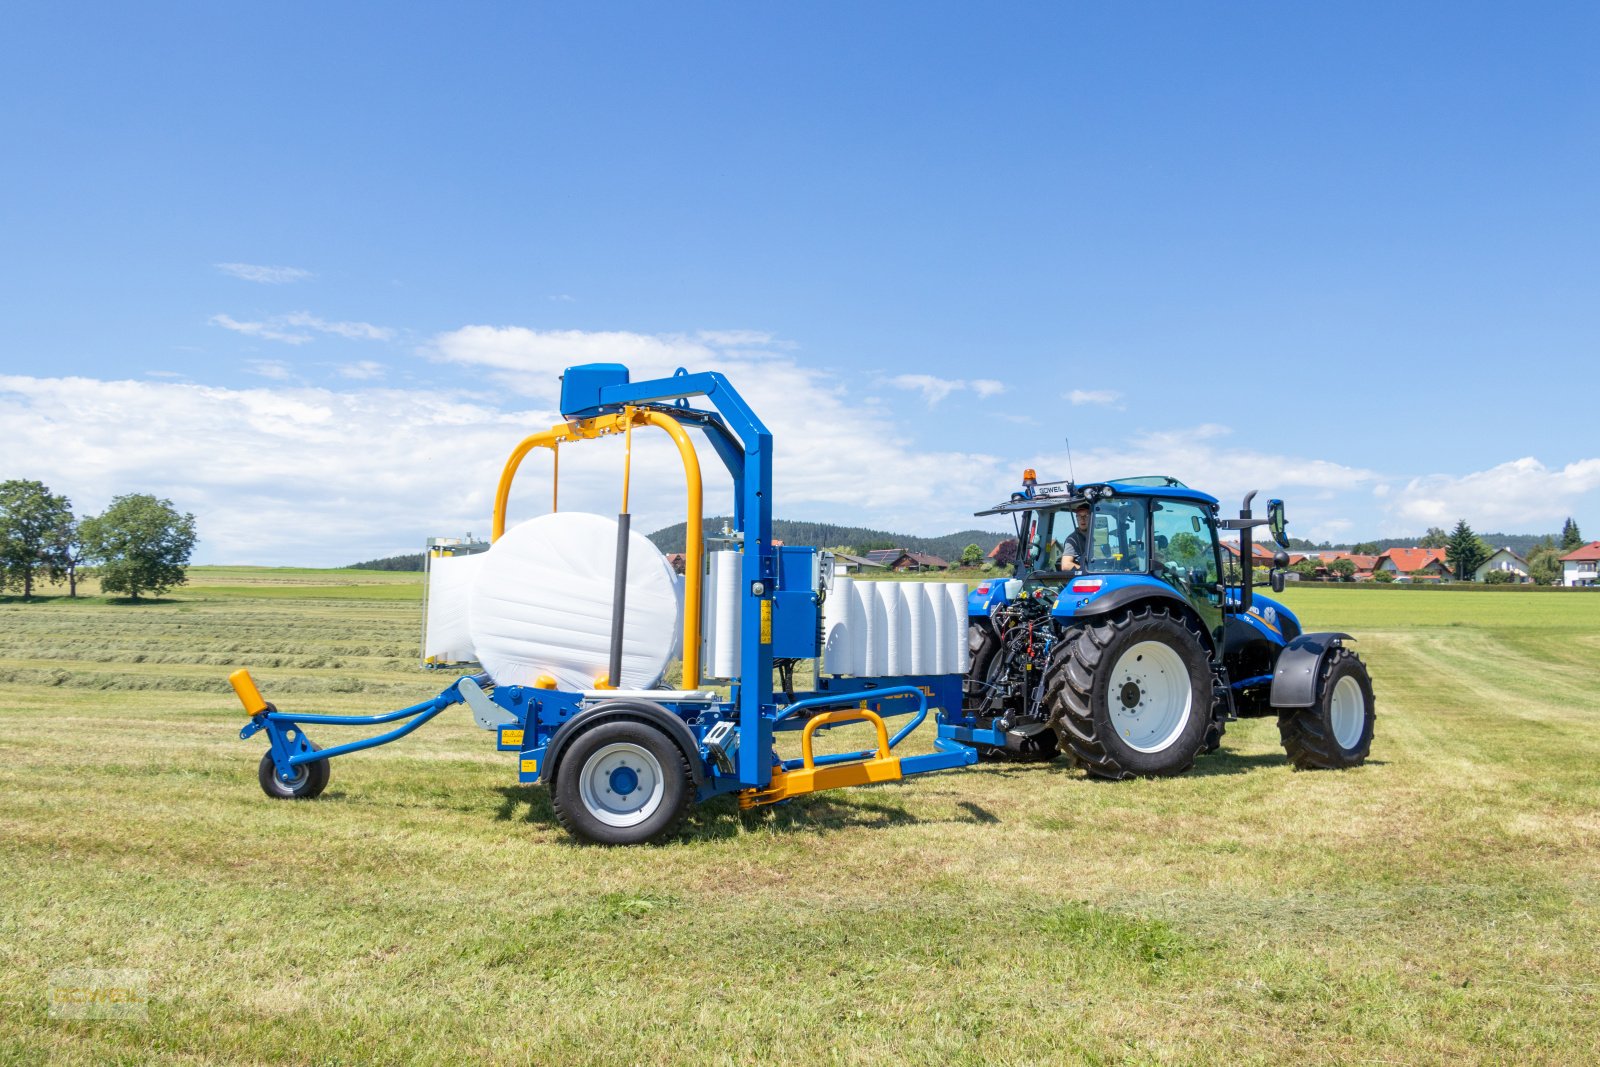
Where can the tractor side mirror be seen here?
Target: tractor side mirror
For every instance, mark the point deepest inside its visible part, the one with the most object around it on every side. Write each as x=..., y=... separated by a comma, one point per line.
x=1276, y=523
x=1276, y=578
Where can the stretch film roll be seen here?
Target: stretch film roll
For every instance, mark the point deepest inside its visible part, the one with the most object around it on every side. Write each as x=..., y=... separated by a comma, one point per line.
x=542, y=599
x=838, y=655
x=919, y=628
x=449, y=637
x=896, y=629
x=944, y=655
x=723, y=600
x=866, y=642
x=957, y=593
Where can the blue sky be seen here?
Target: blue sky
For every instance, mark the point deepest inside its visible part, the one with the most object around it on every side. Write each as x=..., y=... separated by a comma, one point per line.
x=311, y=272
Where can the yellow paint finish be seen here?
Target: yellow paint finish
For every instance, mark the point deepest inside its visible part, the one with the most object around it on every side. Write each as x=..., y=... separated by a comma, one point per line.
x=244, y=687
x=531, y=765
x=511, y=737
x=766, y=622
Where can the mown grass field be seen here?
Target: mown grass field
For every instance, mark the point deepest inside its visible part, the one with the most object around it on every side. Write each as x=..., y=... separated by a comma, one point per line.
x=1438, y=905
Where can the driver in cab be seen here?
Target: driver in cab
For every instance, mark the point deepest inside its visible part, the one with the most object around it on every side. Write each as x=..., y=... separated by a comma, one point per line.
x=1065, y=557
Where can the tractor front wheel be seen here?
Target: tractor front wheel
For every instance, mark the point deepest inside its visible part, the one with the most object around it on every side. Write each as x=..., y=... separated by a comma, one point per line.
x=622, y=782
x=1336, y=731
x=1131, y=696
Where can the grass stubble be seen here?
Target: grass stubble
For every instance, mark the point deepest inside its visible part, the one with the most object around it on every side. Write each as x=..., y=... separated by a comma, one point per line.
x=1437, y=905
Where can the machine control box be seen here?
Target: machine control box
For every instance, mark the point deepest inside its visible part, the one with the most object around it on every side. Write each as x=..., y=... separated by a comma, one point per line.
x=797, y=603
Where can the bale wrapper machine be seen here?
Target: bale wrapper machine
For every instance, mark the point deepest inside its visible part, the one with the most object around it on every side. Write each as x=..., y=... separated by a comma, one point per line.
x=624, y=759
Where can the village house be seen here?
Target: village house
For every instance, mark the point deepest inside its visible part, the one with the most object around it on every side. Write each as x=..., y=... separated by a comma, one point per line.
x=1504, y=560
x=1581, y=566
x=898, y=559
x=1414, y=564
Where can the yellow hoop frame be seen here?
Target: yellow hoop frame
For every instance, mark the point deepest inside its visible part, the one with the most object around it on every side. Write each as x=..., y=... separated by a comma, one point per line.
x=604, y=426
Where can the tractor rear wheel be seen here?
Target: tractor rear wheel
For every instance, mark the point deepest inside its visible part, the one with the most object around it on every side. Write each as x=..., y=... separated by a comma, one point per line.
x=1336, y=731
x=1131, y=696
x=622, y=782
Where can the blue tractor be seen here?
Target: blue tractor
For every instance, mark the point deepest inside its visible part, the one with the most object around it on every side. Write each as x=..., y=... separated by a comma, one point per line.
x=1121, y=641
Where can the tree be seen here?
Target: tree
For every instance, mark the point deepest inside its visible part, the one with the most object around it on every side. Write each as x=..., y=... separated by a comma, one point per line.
x=31, y=523
x=1385, y=577
x=1005, y=553
x=141, y=543
x=1465, y=552
x=971, y=556
x=1434, y=538
x=1544, y=563
x=1570, y=537
x=66, y=555
x=1364, y=548
x=1343, y=569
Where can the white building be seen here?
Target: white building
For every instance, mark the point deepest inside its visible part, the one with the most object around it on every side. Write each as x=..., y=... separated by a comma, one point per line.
x=1581, y=566
x=1504, y=560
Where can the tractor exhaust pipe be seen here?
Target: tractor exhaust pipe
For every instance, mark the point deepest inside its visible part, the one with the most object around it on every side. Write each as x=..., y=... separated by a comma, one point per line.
x=1247, y=552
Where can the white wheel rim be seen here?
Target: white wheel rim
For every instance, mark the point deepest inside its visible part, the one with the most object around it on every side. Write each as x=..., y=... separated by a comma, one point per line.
x=1348, y=713
x=1150, y=696
x=621, y=784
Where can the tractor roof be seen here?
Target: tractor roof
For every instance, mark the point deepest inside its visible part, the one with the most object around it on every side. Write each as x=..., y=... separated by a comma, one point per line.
x=1054, y=495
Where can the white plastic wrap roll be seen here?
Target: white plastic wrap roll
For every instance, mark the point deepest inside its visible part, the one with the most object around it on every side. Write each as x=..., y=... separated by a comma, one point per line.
x=838, y=625
x=723, y=599
x=541, y=604
x=940, y=655
x=919, y=628
x=866, y=641
x=447, y=638
x=957, y=594
x=896, y=629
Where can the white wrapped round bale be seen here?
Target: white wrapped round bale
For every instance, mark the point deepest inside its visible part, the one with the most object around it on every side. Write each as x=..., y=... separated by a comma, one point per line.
x=541, y=604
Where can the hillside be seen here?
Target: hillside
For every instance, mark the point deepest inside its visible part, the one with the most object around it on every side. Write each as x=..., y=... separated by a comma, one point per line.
x=827, y=535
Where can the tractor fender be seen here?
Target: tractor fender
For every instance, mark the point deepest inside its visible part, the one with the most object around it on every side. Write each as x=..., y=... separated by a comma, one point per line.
x=1070, y=608
x=645, y=711
x=1294, y=677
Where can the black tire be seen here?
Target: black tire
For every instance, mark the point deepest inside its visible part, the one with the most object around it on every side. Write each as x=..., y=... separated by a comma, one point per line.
x=982, y=644
x=1213, y=737
x=1079, y=695
x=604, y=757
x=1311, y=736
x=310, y=778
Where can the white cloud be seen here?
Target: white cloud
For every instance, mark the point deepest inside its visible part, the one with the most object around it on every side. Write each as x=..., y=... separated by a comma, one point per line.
x=1198, y=456
x=1099, y=397
x=355, y=331
x=1512, y=497
x=562, y=298
x=363, y=370
x=290, y=329
x=935, y=389
x=251, y=272
x=838, y=456
x=265, y=331
x=276, y=369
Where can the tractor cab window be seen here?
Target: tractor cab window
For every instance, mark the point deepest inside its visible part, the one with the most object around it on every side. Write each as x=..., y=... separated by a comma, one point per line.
x=1118, y=536
x=1183, y=546
x=1045, y=539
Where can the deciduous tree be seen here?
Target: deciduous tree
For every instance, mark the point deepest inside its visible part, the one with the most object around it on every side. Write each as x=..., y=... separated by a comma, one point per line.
x=141, y=544
x=32, y=521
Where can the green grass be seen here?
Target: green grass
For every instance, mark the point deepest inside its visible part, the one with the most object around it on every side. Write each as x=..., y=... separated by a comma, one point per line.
x=1435, y=906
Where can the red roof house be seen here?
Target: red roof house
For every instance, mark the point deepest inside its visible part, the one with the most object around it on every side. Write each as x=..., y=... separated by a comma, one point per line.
x=1427, y=563
x=1581, y=566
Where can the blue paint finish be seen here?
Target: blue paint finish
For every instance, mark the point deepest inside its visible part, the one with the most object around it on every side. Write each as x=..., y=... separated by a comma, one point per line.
x=624, y=780
x=1069, y=604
